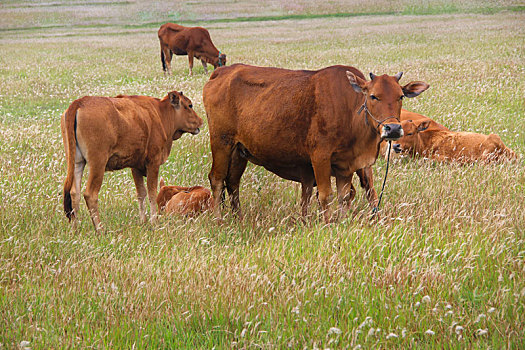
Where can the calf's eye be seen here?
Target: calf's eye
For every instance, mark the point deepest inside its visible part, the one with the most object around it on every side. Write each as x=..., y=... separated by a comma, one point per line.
x=191, y=106
x=373, y=97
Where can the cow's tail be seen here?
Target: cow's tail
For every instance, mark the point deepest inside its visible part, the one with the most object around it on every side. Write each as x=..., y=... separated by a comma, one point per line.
x=163, y=59
x=70, y=121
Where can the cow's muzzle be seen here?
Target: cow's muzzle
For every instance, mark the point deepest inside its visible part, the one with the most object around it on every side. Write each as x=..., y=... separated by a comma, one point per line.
x=392, y=132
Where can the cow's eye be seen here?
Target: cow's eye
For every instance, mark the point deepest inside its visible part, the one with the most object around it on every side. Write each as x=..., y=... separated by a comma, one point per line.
x=191, y=106
x=373, y=97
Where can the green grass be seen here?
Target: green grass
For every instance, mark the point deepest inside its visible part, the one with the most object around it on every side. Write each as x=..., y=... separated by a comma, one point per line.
x=442, y=268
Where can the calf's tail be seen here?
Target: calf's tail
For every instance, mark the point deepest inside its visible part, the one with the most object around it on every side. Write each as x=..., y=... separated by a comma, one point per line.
x=70, y=121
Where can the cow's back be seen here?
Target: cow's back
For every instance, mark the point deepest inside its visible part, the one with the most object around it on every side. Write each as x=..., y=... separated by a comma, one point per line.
x=119, y=127
x=277, y=114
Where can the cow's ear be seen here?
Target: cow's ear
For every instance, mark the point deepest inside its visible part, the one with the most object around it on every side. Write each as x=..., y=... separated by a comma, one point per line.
x=174, y=99
x=423, y=126
x=357, y=83
x=414, y=88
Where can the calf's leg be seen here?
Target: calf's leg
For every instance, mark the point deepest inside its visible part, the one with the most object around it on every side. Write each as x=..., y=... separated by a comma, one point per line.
x=152, y=173
x=141, y=192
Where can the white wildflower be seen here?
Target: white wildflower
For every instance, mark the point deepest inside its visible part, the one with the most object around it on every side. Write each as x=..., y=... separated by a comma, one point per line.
x=459, y=330
x=491, y=310
x=334, y=330
x=481, y=332
x=430, y=332
x=426, y=299
x=391, y=335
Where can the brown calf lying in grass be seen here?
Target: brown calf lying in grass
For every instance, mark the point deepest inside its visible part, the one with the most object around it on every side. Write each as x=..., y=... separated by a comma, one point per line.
x=424, y=139
x=187, y=201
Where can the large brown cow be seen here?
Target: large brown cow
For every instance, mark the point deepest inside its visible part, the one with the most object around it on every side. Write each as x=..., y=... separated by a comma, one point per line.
x=425, y=139
x=122, y=132
x=304, y=126
x=192, y=41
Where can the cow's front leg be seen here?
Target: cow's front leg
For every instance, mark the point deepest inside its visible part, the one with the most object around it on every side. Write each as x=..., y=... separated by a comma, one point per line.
x=345, y=192
x=205, y=66
x=141, y=193
x=322, y=171
x=152, y=173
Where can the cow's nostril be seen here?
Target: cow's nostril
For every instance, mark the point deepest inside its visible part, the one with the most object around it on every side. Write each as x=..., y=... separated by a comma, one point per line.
x=387, y=128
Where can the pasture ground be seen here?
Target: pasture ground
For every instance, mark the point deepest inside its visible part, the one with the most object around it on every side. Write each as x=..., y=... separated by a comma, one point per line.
x=443, y=267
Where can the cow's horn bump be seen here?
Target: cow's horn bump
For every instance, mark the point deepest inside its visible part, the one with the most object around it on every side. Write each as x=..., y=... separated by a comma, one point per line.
x=372, y=76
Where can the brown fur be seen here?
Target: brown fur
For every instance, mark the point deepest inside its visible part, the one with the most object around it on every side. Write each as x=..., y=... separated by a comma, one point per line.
x=187, y=201
x=301, y=125
x=445, y=145
x=122, y=132
x=192, y=41
x=407, y=115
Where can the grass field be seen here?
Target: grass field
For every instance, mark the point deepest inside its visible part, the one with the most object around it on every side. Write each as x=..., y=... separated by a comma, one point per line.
x=444, y=267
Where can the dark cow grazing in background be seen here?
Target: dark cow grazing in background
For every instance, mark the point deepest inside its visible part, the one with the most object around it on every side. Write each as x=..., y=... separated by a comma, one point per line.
x=304, y=126
x=186, y=201
x=192, y=41
x=423, y=138
x=122, y=132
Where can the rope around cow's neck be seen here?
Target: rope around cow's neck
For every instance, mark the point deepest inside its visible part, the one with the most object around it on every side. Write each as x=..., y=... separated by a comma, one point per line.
x=220, y=64
x=376, y=209
x=365, y=108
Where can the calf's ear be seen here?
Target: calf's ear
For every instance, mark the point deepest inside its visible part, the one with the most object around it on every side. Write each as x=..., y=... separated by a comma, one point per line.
x=174, y=99
x=357, y=83
x=414, y=88
x=423, y=126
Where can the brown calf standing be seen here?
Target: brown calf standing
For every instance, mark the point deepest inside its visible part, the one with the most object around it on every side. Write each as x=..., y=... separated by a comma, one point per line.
x=121, y=132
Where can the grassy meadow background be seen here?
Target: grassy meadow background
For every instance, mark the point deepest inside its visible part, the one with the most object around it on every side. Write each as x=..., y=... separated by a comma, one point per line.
x=444, y=267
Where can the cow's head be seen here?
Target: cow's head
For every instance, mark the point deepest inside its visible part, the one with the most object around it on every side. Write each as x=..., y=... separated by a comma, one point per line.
x=383, y=101
x=185, y=118
x=414, y=132
x=220, y=61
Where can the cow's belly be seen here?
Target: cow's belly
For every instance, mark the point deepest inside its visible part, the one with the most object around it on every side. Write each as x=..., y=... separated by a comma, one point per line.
x=118, y=161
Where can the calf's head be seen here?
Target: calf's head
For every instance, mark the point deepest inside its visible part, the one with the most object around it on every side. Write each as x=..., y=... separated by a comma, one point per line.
x=184, y=117
x=383, y=101
x=411, y=142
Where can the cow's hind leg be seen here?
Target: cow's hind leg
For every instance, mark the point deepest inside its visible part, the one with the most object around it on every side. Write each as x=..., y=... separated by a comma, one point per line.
x=166, y=56
x=366, y=178
x=80, y=163
x=322, y=170
x=307, y=187
x=221, y=154
x=141, y=192
x=94, y=182
x=345, y=192
x=233, y=180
